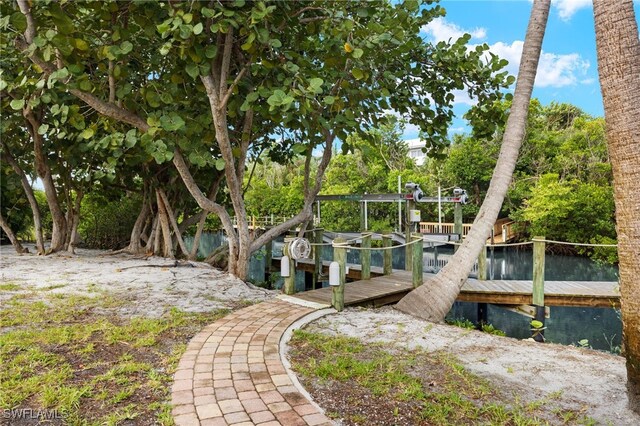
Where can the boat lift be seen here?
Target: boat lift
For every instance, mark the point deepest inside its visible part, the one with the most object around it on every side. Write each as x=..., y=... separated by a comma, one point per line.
x=413, y=195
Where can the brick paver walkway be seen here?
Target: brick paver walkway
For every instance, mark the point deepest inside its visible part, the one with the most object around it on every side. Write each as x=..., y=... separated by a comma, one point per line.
x=232, y=374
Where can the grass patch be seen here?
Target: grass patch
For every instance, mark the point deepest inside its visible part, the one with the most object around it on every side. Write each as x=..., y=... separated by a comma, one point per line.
x=64, y=353
x=379, y=384
x=10, y=287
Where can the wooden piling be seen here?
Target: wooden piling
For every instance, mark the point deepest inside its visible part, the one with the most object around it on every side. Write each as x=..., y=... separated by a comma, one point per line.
x=289, y=286
x=340, y=256
x=416, y=269
x=457, y=223
x=482, y=264
x=408, y=254
x=365, y=257
x=538, y=284
x=317, y=255
x=387, y=254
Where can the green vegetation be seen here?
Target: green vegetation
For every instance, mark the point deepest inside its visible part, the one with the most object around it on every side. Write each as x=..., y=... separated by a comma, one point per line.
x=66, y=353
x=562, y=186
x=420, y=387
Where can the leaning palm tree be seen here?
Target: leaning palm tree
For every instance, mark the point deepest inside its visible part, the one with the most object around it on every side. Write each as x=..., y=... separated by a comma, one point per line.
x=433, y=300
x=618, y=50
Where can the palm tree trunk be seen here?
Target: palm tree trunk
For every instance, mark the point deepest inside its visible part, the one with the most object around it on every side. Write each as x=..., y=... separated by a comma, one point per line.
x=434, y=299
x=618, y=52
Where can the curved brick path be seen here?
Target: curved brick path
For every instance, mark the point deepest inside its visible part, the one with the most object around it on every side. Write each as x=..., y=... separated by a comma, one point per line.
x=232, y=374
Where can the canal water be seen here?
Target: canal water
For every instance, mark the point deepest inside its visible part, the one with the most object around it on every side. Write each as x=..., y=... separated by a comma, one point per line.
x=599, y=328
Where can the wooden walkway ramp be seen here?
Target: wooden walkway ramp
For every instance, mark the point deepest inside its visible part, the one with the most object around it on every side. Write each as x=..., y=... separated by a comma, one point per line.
x=388, y=289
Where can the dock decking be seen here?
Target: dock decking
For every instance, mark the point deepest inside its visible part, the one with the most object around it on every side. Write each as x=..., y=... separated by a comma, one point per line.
x=387, y=289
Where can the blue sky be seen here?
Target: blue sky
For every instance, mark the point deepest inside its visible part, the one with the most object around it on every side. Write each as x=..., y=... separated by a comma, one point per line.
x=568, y=70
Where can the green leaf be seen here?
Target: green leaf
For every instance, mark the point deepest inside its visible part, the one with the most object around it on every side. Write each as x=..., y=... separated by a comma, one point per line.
x=357, y=73
x=220, y=165
x=329, y=100
x=277, y=98
x=17, y=104
x=197, y=28
x=207, y=13
x=43, y=129
x=81, y=44
x=165, y=48
x=152, y=98
x=87, y=133
x=211, y=51
x=316, y=83
x=126, y=47
x=19, y=21
x=192, y=70
x=536, y=324
x=130, y=138
x=357, y=53
x=299, y=148
x=3, y=84
x=171, y=122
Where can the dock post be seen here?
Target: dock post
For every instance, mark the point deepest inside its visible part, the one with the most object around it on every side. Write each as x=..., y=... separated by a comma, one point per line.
x=365, y=257
x=538, y=285
x=289, y=286
x=340, y=256
x=417, y=276
x=317, y=255
x=387, y=254
x=457, y=223
x=411, y=205
x=482, y=264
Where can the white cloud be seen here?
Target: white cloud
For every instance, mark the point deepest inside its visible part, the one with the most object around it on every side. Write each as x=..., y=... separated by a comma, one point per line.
x=441, y=30
x=554, y=70
x=566, y=8
x=462, y=97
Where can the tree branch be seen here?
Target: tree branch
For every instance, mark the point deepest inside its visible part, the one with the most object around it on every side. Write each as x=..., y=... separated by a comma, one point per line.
x=226, y=63
x=30, y=31
x=225, y=99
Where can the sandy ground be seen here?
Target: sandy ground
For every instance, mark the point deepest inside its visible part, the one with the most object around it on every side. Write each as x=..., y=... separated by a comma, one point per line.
x=588, y=381
x=151, y=285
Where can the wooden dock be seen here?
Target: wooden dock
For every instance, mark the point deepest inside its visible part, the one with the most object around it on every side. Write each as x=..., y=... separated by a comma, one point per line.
x=386, y=289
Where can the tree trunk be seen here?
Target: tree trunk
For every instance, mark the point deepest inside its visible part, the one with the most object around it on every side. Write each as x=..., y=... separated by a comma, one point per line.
x=58, y=235
x=172, y=220
x=12, y=237
x=136, y=233
x=433, y=300
x=618, y=51
x=28, y=190
x=196, y=239
x=75, y=221
x=164, y=227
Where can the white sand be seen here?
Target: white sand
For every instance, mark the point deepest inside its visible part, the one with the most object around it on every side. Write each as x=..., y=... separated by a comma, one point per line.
x=588, y=381
x=151, y=285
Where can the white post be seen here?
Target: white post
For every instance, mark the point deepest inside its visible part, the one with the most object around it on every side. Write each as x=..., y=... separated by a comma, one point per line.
x=366, y=216
x=439, y=210
x=399, y=204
